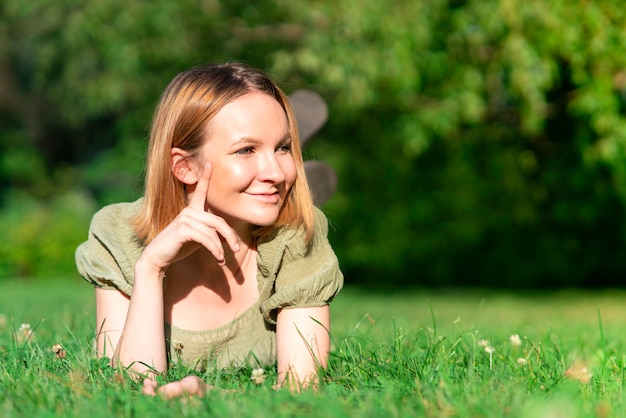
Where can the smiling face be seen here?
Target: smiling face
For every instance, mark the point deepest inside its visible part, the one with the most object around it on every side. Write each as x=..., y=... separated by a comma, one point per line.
x=249, y=147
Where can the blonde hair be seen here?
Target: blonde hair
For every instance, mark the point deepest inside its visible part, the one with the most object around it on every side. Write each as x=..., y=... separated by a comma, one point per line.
x=187, y=106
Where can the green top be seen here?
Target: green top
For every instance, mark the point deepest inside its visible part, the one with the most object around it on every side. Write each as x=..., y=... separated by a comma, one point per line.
x=290, y=274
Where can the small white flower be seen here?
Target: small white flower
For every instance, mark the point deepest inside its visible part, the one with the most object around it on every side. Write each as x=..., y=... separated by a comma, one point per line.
x=25, y=330
x=24, y=333
x=59, y=351
x=483, y=343
x=178, y=346
x=515, y=340
x=258, y=376
x=522, y=361
x=489, y=349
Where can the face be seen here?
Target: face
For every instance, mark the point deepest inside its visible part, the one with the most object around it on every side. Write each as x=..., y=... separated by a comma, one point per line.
x=249, y=147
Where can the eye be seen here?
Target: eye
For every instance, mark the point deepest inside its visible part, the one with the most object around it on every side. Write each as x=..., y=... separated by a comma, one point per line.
x=245, y=151
x=285, y=147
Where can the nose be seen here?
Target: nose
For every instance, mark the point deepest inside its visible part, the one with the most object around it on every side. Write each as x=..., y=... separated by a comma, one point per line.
x=270, y=169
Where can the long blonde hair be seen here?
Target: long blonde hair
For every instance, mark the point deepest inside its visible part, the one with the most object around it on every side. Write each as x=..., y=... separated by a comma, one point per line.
x=187, y=105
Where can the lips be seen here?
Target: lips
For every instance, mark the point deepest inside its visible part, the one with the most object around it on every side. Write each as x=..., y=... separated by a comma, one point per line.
x=266, y=197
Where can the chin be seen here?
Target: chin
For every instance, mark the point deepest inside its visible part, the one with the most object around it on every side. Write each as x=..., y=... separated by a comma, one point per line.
x=262, y=219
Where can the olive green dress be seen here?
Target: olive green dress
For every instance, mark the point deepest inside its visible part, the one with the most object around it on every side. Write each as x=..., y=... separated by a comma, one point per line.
x=290, y=274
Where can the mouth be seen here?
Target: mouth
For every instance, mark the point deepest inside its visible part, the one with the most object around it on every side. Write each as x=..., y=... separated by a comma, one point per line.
x=271, y=198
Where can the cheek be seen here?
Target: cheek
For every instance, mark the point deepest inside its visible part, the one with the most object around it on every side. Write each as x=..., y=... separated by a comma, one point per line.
x=289, y=170
x=229, y=172
x=236, y=171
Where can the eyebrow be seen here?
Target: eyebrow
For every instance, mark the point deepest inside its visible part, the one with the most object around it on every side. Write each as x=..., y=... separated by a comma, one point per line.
x=254, y=141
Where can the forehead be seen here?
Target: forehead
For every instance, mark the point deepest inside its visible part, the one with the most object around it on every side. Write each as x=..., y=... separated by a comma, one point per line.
x=254, y=115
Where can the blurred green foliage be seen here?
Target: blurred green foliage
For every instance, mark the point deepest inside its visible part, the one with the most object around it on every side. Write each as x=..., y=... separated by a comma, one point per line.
x=476, y=141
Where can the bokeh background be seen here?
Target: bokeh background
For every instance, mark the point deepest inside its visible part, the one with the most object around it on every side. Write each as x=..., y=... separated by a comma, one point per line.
x=477, y=142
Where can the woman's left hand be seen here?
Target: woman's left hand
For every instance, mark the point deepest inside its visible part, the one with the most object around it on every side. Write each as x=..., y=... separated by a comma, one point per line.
x=188, y=386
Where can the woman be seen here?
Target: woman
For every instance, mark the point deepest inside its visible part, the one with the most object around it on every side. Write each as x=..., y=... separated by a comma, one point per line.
x=225, y=260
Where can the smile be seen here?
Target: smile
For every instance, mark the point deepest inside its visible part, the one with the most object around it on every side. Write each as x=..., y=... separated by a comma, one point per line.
x=266, y=197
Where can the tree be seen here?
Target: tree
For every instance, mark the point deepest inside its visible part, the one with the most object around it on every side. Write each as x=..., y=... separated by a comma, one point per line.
x=78, y=84
x=476, y=141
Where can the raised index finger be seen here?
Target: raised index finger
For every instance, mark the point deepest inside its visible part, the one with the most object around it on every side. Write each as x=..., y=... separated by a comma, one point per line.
x=198, y=199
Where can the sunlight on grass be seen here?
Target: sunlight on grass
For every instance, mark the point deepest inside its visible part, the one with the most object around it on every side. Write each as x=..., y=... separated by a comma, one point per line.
x=482, y=308
x=403, y=353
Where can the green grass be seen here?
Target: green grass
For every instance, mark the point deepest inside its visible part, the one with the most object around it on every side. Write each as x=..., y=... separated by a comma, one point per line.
x=403, y=353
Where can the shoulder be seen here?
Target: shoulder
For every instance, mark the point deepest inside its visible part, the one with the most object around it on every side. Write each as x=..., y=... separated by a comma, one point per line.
x=108, y=256
x=272, y=247
x=112, y=226
x=115, y=217
x=321, y=224
x=297, y=272
x=287, y=253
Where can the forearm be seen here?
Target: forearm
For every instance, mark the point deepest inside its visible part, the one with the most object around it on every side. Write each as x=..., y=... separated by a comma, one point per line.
x=303, y=342
x=142, y=342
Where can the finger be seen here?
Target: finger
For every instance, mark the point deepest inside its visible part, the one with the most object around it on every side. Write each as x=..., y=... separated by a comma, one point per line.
x=228, y=233
x=194, y=386
x=207, y=237
x=198, y=199
x=188, y=386
x=149, y=387
x=171, y=390
x=213, y=226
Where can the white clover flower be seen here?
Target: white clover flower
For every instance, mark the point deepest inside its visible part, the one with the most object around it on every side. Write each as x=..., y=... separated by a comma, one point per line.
x=25, y=330
x=489, y=349
x=24, y=333
x=522, y=361
x=515, y=340
x=178, y=346
x=483, y=343
x=258, y=376
x=59, y=351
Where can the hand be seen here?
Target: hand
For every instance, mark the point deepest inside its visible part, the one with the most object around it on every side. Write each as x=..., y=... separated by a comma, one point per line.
x=195, y=226
x=188, y=386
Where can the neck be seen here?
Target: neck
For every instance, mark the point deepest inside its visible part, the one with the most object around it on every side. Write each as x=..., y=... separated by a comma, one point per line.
x=201, y=268
x=201, y=271
x=234, y=260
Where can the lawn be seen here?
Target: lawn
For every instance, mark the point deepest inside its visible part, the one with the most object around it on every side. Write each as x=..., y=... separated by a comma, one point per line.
x=419, y=352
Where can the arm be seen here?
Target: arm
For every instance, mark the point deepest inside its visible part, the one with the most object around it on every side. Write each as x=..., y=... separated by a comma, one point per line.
x=303, y=344
x=142, y=341
x=137, y=321
x=111, y=309
x=133, y=327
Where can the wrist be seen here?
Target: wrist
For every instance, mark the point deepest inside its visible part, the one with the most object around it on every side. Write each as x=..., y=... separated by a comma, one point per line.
x=149, y=271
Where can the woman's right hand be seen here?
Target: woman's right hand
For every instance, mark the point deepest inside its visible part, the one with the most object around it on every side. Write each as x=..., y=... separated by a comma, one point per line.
x=194, y=226
x=141, y=343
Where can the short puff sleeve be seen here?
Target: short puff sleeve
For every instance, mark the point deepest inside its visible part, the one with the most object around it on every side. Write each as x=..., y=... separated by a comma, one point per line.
x=300, y=274
x=108, y=257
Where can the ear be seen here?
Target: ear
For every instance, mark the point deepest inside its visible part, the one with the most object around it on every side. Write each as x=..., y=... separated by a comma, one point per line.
x=182, y=166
